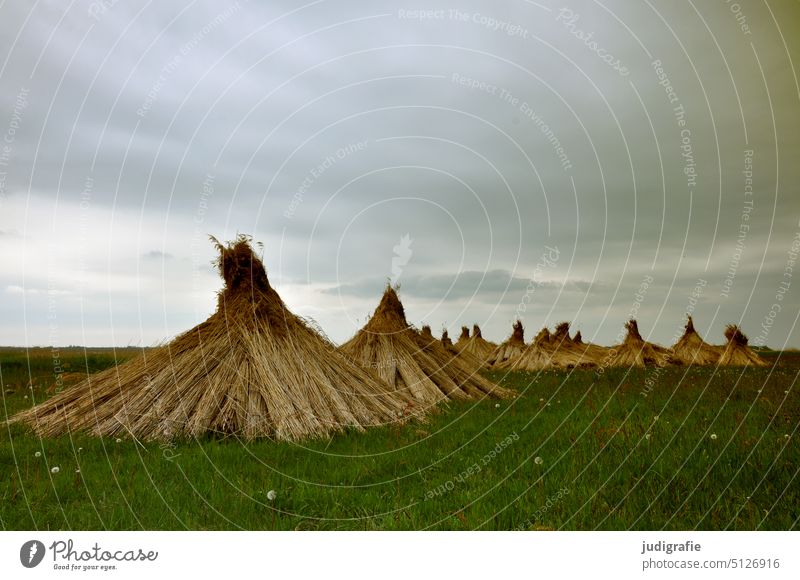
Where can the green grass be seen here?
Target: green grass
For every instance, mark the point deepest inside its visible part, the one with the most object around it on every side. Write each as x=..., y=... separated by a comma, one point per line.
x=598, y=468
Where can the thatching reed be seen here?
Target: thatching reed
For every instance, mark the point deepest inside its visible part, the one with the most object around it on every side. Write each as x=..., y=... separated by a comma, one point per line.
x=448, y=344
x=635, y=351
x=467, y=358
x=476, y=333
x=693, y=350
x=561, y=333
x=568, y=354
x=590, y=355
x=253, y=369
x=593, y=354
x=556, y=350
x=513, y=346
x=475, y=345
x=534, y=357
x=543, y=337
x=443, y=345
x=416, y=365
x=736, y=352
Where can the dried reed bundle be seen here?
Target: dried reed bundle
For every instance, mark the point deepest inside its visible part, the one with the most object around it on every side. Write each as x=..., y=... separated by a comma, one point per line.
x=467, y=358
x=736, y=352
x=556, y=350
x=475, y=345
x=416, y=365
x=534, y=357
x=691, y=349
x=448, y=344
x=543, y=338
x=477, y=334
x=569, y=354
x=594, y=354
x=635, y=351
x=253, y=369
x=591, y=354
x=513, y=346
x=445, y=346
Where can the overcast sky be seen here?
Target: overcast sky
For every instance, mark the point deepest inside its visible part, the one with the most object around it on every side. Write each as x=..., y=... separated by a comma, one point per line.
x=578, y=161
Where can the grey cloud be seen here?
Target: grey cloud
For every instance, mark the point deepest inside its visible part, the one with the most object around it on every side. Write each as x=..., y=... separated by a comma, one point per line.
x=259, y=96
x=157, y=255
x=486, y=287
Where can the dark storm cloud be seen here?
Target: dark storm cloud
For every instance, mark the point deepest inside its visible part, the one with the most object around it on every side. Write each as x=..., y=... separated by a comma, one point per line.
x=486, y=286
x=330, y=131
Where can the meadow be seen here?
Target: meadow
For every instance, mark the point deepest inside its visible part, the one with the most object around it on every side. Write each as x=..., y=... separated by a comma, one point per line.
x=677, y=448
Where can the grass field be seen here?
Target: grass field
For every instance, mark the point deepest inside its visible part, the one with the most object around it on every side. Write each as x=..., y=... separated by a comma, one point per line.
x=708, y=449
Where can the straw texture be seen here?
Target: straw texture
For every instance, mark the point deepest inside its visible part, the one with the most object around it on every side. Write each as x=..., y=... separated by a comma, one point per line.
x=416, y=365
x=534, y=357
x=253, y=369
x=693, y=350
x=512, y=347
x=635, y=351
x=476, y=345
x=556, y=350
x=736, y=352
x=465, y=357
